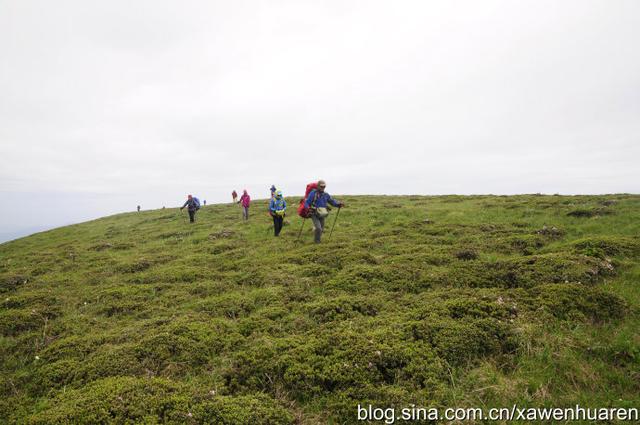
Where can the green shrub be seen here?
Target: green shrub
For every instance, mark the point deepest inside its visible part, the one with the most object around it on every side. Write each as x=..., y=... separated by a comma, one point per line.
x=578, y=302
x=170, y=353
x=607, y=246
x=11, y=282
x=589, y=212
x=394, y=277
x=235, y=304
x=341, y=308
x=529, y=271
x=110, y=361
x=72, y=347
x=462, y=307
x=143, y=400
x=461, y=342
x=255, y=409
x=134, y=267
x=54, y=375
x=466, y=254
x=523, y=244
x=15, y=322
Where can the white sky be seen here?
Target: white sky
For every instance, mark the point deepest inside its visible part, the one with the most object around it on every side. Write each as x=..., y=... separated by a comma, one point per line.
x=104, y=105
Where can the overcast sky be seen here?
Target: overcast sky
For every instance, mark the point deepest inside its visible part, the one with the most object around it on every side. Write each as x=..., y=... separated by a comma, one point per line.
x=108, y=104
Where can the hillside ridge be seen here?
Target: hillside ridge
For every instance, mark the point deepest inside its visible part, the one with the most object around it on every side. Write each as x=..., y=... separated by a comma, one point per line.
x=429, y=300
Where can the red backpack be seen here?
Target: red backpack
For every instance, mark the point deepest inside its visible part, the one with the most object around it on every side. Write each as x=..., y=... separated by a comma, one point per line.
x=302, y=211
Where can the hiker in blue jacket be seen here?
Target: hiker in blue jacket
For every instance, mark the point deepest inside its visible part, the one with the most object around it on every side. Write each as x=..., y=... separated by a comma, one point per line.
x=277, y=209
x=192, y=205
x=317, y=202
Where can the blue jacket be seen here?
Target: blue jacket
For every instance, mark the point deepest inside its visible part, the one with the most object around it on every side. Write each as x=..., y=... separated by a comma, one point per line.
x=191, y=204
x=277, y=204
x=321, y=202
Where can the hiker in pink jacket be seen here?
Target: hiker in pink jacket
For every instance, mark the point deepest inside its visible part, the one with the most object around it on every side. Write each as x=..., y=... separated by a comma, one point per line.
x=245, y=200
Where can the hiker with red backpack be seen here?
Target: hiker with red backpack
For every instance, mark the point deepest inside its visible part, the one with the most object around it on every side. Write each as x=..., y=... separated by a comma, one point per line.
x=193, y=204
x=315, y=207
x=245, y=201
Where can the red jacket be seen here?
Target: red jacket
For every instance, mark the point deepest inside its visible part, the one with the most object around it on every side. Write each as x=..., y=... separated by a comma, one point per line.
x=245, y=200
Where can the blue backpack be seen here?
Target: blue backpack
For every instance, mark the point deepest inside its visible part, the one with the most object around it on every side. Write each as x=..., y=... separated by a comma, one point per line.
x=197, y=202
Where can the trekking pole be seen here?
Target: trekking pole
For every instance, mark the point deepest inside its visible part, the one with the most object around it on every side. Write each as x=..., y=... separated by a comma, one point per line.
x=300, y=232
x=334, y=222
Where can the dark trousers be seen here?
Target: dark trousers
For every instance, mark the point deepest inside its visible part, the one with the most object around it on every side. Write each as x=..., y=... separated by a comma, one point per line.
x=192, y=216
x=277, y=224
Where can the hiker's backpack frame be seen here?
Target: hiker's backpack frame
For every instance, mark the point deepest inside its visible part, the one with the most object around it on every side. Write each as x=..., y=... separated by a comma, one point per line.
x=302, y=210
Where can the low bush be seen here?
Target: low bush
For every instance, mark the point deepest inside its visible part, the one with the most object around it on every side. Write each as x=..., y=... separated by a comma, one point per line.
x=143, y=400
x=576, y=302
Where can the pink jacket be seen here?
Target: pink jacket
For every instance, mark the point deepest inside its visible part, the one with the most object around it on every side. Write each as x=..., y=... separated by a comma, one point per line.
x=245, y=199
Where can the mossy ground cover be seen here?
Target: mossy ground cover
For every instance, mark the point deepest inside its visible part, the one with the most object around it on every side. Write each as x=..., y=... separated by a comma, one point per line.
x=439, y=301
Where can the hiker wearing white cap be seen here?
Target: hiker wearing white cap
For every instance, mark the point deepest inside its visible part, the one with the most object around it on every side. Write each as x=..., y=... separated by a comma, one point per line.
x=317, y=202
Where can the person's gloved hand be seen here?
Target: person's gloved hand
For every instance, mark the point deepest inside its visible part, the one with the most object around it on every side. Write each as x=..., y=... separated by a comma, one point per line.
x=341, y=204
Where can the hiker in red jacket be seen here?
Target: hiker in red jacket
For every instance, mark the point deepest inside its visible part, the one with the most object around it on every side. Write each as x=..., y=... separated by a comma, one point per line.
x=245, y=200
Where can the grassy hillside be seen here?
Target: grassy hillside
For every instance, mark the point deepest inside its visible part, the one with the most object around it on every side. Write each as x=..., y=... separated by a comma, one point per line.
x=440, y=301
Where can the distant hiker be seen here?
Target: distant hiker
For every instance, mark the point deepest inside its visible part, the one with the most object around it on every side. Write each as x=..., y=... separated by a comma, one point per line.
x=138, y=208
x=204, y=202
x=317, y=204
x=245, y=200
x=277, y=209
x=234, y=194
x=273, y=191
x=193, y=204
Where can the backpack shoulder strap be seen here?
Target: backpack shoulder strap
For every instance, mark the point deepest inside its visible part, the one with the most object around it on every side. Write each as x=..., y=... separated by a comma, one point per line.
x=315, y=198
